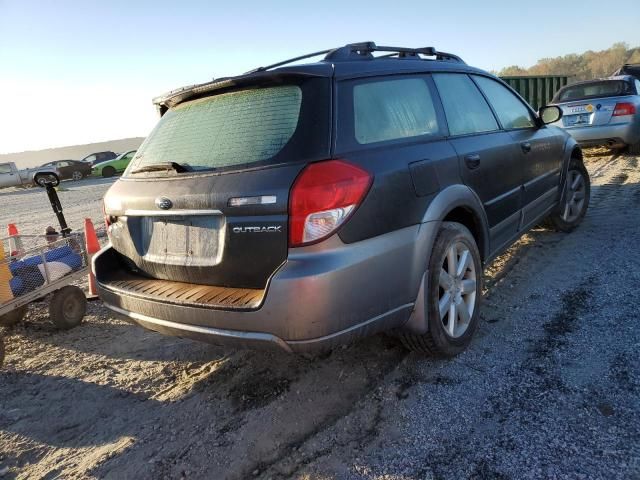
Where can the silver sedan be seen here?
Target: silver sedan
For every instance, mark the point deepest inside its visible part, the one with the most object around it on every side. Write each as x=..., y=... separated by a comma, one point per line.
x=602, y=112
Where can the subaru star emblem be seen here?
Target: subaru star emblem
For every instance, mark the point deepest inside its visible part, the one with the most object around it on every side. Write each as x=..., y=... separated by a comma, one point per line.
x=164, y=203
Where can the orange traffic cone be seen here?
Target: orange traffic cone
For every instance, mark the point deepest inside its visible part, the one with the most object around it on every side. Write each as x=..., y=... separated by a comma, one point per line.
x=15, y=242
x=92, y=244
x=5, y=276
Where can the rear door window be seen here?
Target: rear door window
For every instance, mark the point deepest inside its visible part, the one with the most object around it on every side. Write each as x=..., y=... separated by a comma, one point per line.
x=466, y=109
x=242, y=128
x=510, y=110
x=393, y=109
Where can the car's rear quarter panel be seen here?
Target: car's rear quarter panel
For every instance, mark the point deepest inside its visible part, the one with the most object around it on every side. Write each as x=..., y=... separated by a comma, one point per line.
x=406, y=178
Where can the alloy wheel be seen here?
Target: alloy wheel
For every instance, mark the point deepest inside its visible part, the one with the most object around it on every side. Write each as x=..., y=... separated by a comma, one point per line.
x=76, y=175
x=458, y=286
x=575, y=196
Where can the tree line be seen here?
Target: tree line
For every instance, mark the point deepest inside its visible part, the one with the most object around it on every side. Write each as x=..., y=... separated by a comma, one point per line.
x=581, y=66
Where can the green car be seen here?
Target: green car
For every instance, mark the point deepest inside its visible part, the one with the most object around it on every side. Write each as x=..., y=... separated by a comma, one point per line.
x=111, y=167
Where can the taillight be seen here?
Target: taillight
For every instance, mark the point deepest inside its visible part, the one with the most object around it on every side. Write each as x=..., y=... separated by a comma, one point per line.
x=624, y=108
x=323, y=196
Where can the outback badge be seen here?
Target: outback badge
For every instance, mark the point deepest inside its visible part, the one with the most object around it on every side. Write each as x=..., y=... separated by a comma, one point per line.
x=164, y=203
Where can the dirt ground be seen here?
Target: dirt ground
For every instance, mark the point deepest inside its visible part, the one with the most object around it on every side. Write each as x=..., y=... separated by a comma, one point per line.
x=550, y=387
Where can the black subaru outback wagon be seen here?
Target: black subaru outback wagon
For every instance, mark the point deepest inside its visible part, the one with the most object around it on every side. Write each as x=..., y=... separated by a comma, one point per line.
x=303, y=206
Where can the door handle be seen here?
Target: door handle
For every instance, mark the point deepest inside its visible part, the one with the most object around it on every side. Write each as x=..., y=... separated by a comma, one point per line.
x=472, y=160
x=526, y=147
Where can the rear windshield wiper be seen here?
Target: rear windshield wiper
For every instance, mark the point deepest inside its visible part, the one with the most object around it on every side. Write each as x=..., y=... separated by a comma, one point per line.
x=158, y=167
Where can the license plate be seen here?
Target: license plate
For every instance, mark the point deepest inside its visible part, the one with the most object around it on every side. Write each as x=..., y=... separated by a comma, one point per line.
x=185, y=241
x=573, y=120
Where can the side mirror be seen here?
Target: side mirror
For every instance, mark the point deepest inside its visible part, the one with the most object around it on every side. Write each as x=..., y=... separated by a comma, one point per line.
x=550, y=114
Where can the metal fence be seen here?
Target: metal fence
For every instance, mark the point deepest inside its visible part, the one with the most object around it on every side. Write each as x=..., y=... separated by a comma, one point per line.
x=537, y=90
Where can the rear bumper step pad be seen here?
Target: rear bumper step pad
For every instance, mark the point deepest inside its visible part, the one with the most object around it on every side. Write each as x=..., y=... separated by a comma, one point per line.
x=188, y=293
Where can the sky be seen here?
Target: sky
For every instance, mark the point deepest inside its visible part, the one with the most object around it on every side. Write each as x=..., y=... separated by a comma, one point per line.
x=74, y=72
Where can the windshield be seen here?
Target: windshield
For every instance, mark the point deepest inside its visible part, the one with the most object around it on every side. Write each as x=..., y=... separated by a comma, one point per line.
x=605, y=88
x=243, y=127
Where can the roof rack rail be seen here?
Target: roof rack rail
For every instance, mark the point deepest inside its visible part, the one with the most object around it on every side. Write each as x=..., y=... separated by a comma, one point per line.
x=365, y=50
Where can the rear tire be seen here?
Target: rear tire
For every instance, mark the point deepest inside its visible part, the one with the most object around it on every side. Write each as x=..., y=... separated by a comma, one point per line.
x=67, y=307
x=454, y=291
x=568, y=215
x=13, y=317
x=108, y=172
x=634, y=149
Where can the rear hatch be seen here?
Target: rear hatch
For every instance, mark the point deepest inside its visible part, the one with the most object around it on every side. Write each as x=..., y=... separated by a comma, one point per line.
x=592, y=103
x=205, y=199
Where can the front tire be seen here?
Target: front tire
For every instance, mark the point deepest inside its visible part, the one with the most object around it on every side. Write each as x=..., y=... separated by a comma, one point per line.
x=108, y=172
x=77, y=175
x=570, y=212
x=454, y=293
x=634, y=149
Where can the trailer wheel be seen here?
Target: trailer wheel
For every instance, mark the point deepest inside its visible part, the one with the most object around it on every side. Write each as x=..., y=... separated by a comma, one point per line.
x=67, y=307
x=13, y=317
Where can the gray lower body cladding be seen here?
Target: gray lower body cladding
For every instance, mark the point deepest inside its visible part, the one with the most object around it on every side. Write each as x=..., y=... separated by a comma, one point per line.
x=323, y=295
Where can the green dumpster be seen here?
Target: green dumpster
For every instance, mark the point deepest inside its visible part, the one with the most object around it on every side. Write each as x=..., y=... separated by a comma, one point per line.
x=537, y=90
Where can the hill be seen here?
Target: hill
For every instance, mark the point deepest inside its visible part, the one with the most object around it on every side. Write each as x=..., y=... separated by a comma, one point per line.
x=76, y=152
x=583, y=66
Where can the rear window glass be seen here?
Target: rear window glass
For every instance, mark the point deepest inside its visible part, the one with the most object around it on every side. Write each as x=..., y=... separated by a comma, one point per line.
x=609, y=88
x=393, y=109
x=236, y=128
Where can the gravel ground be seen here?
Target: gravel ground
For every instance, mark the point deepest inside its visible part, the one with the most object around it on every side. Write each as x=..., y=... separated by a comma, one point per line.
x=550, y=387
